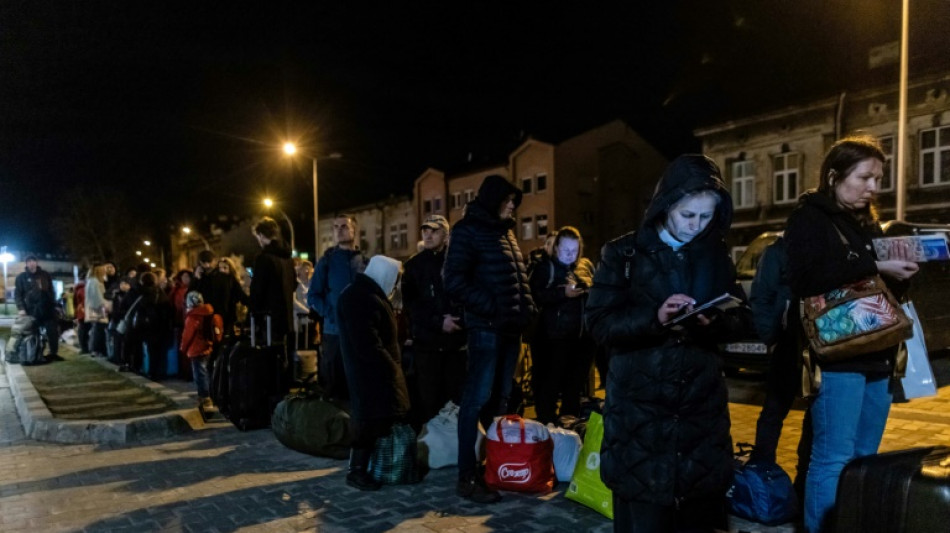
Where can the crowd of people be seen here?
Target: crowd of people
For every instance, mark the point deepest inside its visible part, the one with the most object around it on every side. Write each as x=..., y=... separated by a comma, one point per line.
x=454, y=326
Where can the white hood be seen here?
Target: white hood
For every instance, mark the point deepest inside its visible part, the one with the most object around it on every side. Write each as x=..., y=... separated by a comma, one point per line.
x=384, y=271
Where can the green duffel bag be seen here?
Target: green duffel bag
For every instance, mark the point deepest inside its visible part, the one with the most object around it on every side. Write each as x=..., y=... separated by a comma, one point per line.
x=307, y=422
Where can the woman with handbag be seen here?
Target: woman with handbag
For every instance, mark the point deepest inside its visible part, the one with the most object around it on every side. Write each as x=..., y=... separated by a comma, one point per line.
x=667, y=452
x=829, y=238
x=97, y=310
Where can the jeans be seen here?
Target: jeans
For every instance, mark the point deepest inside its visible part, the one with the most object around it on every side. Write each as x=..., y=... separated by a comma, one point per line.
x=848, y=419
x=491, y=366
x=199, y=369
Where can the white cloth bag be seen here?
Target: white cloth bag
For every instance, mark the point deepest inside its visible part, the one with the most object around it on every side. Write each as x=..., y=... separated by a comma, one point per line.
x=918, y=380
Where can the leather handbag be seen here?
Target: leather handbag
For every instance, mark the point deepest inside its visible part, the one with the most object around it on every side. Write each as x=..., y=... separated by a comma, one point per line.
x=854, y=319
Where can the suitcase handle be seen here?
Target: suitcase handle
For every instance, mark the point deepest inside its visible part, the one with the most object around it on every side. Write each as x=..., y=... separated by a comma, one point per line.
x=270, y=340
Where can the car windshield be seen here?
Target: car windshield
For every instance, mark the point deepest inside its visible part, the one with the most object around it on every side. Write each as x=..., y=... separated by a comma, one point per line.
x=749, y=260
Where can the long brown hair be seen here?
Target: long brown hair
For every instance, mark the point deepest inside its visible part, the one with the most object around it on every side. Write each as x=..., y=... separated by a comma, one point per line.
x=841, y=159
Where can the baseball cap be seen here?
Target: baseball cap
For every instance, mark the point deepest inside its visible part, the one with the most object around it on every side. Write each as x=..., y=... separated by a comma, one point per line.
x=435, y=222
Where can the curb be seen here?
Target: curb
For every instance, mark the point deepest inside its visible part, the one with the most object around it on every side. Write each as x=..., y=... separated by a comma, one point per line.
x=39, y=424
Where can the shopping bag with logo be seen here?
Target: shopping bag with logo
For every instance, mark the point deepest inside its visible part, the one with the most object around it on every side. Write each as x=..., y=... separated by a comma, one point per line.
x=586, y=486
x=567, y=447
x=394, y=458
x=438, y=440
x=918, y=380
x=519, y=455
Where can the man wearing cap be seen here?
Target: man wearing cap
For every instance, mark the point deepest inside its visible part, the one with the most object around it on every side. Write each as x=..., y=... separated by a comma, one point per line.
x=485, y=272
x=436, y=326
x=33, y=294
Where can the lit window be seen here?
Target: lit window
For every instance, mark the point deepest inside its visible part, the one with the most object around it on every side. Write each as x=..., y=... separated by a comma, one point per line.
x=542, y=221
x=526, y=185
x=887, y=146
x=527, y=228
x=542, y=182
x=786, y=169
x=743, y=184
x=935, y=156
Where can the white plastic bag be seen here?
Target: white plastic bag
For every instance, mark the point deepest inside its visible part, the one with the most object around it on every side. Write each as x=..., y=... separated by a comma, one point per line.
x=918, y=380
x=534, y=431
x=440, y=437
x=567, y=447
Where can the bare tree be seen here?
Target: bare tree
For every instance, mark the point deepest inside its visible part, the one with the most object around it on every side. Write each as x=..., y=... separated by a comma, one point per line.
x=99, y=225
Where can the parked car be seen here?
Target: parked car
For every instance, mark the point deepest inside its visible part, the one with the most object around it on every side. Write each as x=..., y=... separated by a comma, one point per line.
x=929, y=290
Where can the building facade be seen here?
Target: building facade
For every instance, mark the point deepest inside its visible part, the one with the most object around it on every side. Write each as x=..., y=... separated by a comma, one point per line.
x=768, y=160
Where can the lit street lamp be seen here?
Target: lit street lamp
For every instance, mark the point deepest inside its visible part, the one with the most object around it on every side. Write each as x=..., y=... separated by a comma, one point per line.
x=187, y=231
x=161, y=252
x=290, y=149
x=268, y=203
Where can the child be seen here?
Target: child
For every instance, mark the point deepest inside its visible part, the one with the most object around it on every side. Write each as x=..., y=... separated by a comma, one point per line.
x=202, y=328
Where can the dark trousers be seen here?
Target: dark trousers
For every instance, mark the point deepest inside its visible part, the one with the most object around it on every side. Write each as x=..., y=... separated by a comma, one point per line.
x=51, y=327
x=82, y=334
x=439, y=377
x=560, y=368
x=97, y=339
x=783, y=384
x=692, y=516
x=331, y=375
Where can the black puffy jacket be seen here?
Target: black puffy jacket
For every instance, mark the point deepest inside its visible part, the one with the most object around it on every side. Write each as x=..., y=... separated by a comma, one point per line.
x=666, y=417
x=273, y=286
x=484, y=270
x=561, y=317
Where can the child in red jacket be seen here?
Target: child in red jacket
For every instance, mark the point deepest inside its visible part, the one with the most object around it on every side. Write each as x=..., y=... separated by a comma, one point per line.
x=202, y=328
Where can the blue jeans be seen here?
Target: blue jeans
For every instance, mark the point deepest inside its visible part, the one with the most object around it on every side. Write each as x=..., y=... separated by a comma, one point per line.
x=491, y=366
x=199, y=369
x=848, y=419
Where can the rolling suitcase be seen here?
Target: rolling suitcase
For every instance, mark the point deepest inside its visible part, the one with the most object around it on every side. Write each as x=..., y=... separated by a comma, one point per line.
x=306, y=364
x=906, y=491
x=255, y=380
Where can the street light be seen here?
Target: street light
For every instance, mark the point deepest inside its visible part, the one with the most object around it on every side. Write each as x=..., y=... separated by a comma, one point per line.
x=291, y=149
x=268, y=203
x=161, y=252
x=187, y=231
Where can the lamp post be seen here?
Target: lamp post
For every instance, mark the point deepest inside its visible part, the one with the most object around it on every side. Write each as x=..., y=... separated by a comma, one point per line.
x=268, y=203
x=291, y=149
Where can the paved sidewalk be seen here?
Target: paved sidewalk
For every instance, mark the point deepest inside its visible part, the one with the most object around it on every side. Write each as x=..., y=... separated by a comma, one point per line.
x=219, y=479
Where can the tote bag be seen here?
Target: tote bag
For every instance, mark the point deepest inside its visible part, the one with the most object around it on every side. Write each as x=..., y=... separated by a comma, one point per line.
x=918, y=380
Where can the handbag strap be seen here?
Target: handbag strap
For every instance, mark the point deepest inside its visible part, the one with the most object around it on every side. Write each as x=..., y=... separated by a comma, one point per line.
x=135, y=303
x=852, y=255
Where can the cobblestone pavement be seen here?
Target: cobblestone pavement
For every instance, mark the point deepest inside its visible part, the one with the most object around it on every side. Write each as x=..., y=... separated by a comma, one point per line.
x=219, y=479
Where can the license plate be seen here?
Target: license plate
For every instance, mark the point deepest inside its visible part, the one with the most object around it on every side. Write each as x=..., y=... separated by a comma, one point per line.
x=747, y=347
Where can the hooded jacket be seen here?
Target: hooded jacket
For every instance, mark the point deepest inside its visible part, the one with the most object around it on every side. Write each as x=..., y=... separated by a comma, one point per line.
x=819, y=262
x=369, y=344
x=666, y=418
x=272, y=287
x=194, y=341
x=484, y=270
x=424, y=298
x=561, y=317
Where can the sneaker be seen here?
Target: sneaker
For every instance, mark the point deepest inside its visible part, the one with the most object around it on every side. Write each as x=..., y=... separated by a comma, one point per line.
x=475, y=490
x=207, y=405
x=362, y=481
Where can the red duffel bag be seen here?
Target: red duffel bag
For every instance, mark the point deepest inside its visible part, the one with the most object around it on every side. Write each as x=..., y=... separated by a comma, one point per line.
x=517, y=463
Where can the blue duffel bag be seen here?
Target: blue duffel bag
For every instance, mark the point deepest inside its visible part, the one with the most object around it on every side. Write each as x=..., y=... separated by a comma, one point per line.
x=762, y=492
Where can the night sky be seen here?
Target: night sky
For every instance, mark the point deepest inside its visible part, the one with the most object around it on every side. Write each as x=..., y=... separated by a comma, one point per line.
x=182, y=106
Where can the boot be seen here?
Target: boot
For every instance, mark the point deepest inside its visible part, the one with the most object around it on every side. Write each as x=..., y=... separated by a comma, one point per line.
x=358, y=477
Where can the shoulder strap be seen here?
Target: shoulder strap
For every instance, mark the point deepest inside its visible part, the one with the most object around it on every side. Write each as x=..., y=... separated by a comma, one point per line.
x=132, y=308
x=550, y=273
x=852, y=255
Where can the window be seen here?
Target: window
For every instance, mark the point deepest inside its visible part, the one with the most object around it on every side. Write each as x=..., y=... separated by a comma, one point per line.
x=455, y=201
x=935, y=156
x=785, y=177
x=469, y=195
x=393, y=237
x=403, y=236
x=542, y=182
x=526, y=185
x=527, y=228
x=542, y=221
x=887, y=146
x=437, y=204
x=427, y=207
x=743, y=184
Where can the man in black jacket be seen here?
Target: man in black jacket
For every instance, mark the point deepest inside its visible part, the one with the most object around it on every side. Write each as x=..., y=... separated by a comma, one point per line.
x=274, y=281
x=437, y=336
x=485, y=272
x=33, y=294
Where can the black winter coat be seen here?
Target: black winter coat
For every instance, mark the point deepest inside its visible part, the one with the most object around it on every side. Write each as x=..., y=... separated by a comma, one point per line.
x=273, y=286
x=666, y=416
x=370, y=346
x=561, y=317
x=223, y=292
x=818, y=262
x=424, y=299
x=484, y=270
